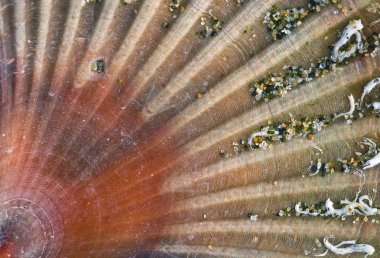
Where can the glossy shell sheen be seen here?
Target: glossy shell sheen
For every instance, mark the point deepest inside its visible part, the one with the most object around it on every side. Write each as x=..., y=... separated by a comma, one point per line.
x=113, y=118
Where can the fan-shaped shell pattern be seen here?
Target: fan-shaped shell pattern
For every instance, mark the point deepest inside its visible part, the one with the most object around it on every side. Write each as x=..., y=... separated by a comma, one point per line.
x=125, y=161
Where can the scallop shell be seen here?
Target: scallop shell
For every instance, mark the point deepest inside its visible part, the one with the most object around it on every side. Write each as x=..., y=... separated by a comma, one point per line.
x=126, y=162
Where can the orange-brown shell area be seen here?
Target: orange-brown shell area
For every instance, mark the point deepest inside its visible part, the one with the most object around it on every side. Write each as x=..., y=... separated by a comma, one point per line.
x=126, y=163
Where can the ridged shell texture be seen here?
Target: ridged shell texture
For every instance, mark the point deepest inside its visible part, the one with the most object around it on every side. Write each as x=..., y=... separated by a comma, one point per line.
x=118, y=123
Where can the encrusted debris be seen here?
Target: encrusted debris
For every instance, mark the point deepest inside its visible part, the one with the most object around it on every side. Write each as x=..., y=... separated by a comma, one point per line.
x=309, y=126
x=359, y=206
x=176, y=8
x=285, y=131
x=165, y=25
x=282, y=22
x=364, y=158
x=98, y=66
x=278, y=85
x=252, y=217
x=211, y=24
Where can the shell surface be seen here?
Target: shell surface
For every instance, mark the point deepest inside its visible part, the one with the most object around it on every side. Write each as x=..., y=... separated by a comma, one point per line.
x=118, y=122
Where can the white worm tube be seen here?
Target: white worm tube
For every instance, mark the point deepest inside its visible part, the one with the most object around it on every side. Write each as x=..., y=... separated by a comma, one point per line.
x=372, y=162
x=351, y=207
x=368, y=88
x=352, y=107
x=317, y=147
x=376, y=106
x=352, y=247
x=367, y=141
x=331, y=211
x=366, y=208
x=319, y=165
x=263, y=132
x=351, y=29
x=305, y=213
